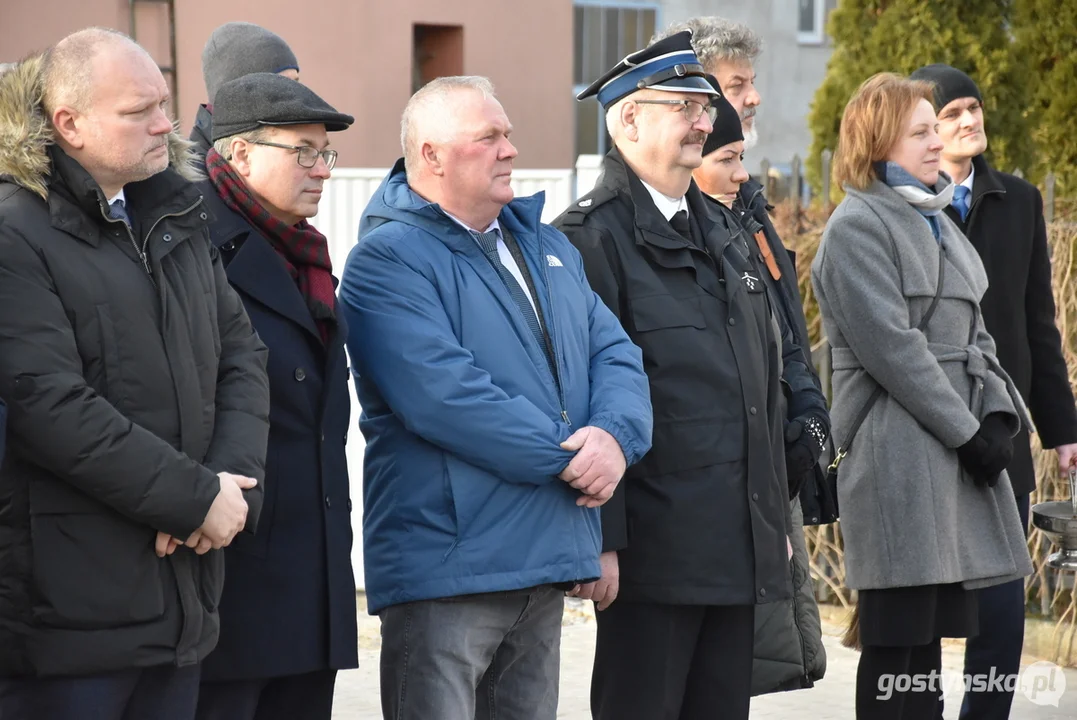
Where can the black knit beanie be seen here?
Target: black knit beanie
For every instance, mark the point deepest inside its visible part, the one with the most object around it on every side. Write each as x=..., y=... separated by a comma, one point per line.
x=950, y=84
x=727, y=126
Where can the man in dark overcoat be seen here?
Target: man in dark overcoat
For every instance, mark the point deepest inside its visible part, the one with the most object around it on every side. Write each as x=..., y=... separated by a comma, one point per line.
x=695, y=537
x=1002, y=215
x=288, y=608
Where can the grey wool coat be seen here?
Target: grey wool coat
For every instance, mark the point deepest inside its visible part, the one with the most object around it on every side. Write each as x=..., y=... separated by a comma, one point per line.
x=909, y=514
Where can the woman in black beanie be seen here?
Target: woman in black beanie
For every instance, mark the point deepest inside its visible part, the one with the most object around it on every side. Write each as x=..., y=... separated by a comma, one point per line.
x=722, y=172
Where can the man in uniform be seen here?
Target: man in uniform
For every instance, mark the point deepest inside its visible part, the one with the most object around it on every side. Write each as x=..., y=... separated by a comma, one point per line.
x=696, y=535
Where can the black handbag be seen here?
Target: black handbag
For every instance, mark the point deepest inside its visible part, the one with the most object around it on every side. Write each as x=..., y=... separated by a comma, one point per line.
x=823, y=508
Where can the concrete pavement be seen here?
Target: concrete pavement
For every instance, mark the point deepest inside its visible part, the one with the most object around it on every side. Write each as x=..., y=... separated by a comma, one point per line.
x=357, y=694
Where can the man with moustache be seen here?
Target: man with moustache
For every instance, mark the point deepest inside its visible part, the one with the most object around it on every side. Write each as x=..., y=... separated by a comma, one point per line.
x=1002, y=215
x=728, y=51
x=695, y=538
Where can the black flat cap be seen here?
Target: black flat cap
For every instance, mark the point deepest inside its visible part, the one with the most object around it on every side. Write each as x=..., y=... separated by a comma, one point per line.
x=670, y=64
x=727, y=126
x=261, y=99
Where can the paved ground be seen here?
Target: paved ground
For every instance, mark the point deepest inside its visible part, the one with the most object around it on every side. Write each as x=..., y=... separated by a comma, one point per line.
x=831, y=699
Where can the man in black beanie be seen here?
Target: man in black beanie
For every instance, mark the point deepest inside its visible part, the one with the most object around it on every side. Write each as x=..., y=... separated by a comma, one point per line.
x=233, y=50
x=1002, y=215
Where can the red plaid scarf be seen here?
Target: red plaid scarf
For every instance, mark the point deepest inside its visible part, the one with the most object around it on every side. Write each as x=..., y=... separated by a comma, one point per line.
x=305, y=251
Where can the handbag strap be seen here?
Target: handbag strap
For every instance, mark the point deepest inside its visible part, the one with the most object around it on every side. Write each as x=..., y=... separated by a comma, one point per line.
x=843, y=449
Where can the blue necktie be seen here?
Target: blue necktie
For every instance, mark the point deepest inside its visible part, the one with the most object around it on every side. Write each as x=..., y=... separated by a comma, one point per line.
x=488, y=242
x=117, y=211
x=961, y=201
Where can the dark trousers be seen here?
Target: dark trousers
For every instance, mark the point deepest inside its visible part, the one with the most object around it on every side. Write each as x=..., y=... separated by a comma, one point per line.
x=158, y=693
x=474, y=657
x=999, y=643
x=294, y=697
x=885, y=678
x=673, y=662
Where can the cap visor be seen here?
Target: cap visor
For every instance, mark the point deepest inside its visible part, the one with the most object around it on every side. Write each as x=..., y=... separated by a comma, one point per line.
x=690, y=83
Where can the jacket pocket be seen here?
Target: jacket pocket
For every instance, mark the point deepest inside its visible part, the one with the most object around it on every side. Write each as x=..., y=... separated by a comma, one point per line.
x=3, y=430
x=656, y=312
x=110, y=358
x=92, y=568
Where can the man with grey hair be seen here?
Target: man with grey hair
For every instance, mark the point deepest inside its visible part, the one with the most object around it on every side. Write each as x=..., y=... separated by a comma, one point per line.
x=233, y=50
x=501, y=404
x=789, y=646
x=728, y=51
x=137, y=399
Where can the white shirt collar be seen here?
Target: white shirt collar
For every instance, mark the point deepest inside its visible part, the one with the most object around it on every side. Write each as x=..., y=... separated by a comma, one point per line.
x=118, y=196
x=666, y=205
x=495, y=225
x=967, y=182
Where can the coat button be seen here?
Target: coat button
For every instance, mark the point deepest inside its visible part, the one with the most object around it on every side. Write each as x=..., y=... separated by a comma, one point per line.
x=168, y=237
x=345, y=438
x=762, y=592
x=228, y=247
x=755, y=496
x=349, y=504
x=732, y=321
x=328, y=502
x=752, y=410
x=300, y=374
x=322, y=437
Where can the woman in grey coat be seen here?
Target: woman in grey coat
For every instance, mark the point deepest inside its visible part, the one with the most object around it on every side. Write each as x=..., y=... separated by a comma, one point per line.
x=927, y=511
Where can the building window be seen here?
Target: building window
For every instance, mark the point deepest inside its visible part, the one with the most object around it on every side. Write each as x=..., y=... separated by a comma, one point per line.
x=604, y=32
x=811, y=22
x=436, y=51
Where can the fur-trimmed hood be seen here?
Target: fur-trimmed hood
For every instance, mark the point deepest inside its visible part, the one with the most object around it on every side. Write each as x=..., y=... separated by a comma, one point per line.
x=25, y=133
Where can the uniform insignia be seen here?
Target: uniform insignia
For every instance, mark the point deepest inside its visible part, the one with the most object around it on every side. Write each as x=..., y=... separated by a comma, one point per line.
x=750, y=281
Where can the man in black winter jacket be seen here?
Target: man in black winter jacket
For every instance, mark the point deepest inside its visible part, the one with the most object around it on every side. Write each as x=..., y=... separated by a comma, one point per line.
x=1002, y=215
x=136, y=390
x=233, y=50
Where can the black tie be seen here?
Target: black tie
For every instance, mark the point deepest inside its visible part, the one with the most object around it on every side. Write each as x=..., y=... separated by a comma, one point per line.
x=679, y=222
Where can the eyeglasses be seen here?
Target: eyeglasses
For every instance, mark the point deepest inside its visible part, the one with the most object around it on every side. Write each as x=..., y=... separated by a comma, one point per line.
x=306, y=156
x=692, y=110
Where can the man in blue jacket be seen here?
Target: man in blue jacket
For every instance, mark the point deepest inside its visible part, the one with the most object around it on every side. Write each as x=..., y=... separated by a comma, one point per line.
x=501, y=404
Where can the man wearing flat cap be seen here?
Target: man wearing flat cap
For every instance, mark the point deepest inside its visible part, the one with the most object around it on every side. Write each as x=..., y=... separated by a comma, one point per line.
x=288, y=607
x=696, y=535
x=233, y=50
x=1002, y=215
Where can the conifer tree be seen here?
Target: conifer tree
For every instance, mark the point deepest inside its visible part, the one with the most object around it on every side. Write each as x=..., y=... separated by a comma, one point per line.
x=872, y=36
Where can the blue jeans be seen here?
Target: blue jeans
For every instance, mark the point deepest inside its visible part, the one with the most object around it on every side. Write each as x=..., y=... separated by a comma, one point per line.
x=999, y=643
x=164, y=692
x=474, y=657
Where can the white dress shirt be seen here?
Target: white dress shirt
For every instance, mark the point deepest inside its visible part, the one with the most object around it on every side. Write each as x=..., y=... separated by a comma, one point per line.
x=666, y=205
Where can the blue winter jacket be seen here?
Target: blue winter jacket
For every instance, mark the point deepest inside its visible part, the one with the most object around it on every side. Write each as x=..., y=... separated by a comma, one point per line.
x=462, y=417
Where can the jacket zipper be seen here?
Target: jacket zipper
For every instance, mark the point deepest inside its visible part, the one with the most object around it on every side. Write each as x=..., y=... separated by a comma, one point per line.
x=544, y=263
x=142, y=250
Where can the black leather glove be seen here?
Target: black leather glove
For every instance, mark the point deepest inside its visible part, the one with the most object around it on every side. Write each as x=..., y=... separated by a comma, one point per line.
x=805, y=439
x=989, y=451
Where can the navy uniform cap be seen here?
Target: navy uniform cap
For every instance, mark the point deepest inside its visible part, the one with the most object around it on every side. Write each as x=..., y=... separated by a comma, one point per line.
x=669, y=64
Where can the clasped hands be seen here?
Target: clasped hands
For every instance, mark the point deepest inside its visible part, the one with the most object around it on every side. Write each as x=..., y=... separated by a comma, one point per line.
x=597, y=467
x=227, y=516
